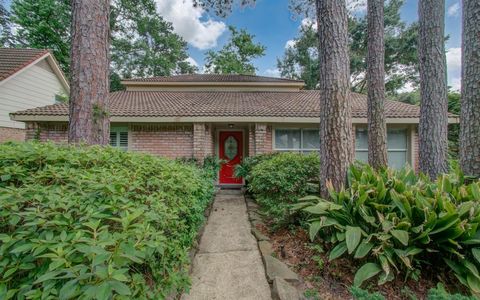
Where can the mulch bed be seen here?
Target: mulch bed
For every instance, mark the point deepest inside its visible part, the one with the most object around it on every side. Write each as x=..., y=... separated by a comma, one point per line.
x=333, y=279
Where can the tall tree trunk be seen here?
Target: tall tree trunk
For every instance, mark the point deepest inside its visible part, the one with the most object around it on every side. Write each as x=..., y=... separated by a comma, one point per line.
x=470, y=101
x=89, y=122
x=335, y=110
x=377, y=128
x=433, y=144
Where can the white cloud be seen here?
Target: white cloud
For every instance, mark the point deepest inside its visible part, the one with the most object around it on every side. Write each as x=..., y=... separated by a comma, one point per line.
x=192, y=61
x=454, y=10
x=307, y=22
x=274, y=72
x=190, y=23
x=290, y=44
x=454, y=67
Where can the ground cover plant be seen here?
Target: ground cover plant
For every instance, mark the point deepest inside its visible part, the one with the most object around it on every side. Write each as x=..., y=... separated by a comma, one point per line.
x=396, y=223
x=93, y=222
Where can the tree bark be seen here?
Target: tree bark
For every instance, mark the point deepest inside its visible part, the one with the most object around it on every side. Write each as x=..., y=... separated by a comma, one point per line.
x=377, y=127
x=334, y=83
x=470, y=101
x=89, y=84
x=433, y=127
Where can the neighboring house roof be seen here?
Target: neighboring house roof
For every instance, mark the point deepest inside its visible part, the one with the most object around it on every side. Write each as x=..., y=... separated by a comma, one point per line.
x=138, y=105
x=209, y=78
x=15, y=60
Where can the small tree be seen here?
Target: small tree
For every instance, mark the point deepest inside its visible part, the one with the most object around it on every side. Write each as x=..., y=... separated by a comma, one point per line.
x=470, y=101
x=377, y=128
x=89, y=120
x=433, y=127
x=236, y=56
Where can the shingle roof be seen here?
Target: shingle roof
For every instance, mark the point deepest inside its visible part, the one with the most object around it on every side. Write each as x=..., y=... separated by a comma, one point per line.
x=213, y=78
x=13, y=60
x=238, y=104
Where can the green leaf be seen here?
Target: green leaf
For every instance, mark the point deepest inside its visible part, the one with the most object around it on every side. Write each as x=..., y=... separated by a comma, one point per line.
x=103, y=291
x=47, y=276
x=337, y=251
x=363, y=250
x=68, y=290
x=473, y=283
x=22, y=248
x=120, y=287
x=353, y=236
x=401, y=236
x=5, y=177
x=367, y=271
x=476, y=254
x=314, y=228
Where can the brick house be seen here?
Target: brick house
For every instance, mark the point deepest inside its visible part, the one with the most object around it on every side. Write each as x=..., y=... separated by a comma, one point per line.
x=229, y=116
x=28, y=78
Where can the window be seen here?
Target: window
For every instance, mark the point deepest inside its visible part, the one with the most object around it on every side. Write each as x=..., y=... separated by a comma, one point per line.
x=119, y=137
x=397, y=146
x=303, y=140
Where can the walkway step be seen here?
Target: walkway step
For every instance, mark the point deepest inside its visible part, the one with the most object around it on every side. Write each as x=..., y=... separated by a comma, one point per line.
x=228, y=264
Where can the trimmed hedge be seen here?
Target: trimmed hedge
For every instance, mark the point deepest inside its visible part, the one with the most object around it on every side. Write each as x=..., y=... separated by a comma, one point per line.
x=95, y=222
x=278, y=180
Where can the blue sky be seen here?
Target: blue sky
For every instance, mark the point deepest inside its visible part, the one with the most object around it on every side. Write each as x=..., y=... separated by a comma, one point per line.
x=273, y=25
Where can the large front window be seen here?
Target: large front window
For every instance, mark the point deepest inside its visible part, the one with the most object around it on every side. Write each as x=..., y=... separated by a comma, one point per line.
x=397, y=146
x=296, y=139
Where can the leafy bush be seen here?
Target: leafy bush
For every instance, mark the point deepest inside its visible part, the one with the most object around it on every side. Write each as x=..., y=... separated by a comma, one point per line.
x=245, y=168
x=278, y=181
x=96, y=222
x=359, y=294
x=394, y=221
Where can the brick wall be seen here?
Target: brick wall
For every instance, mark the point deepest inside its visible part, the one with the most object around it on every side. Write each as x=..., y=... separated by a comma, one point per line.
x=53, y=131
x=171, y=141
x=259, y=139
x=11, y=134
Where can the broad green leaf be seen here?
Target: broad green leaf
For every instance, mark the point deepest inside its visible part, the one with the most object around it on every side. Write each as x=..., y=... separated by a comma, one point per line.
x=68, y=290
x=363, y=249
x=473, y=283
x=367, y=271
x=22, y=248
x=476, y=254
x=400, y=235
x=337, y=251
x=314, y=228
x=352, y=237
x=120, y=287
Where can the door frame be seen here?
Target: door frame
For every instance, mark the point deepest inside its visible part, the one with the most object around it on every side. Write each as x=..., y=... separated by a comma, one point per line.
x=217, y=152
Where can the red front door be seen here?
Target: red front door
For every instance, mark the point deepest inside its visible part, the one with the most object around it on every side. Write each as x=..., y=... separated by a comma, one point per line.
x=230, y=151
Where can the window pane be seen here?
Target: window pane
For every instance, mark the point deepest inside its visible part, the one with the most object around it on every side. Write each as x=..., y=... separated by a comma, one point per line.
x=397, y=159
x=124, y=140
x=113, y=139
x=361, y=138
x=287, y=138
x=311, y=139
x=361, y=156
x=397, y=139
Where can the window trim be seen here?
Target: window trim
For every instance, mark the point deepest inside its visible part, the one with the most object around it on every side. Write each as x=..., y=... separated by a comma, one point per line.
x=407, y=150
x=300, y=149
x=118, y=130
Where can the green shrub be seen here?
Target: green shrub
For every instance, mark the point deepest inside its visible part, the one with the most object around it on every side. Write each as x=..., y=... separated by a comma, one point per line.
x=439, y=293
x=278, y=181
x=96, y=222
x=393, y=221
x=245, y=168
x=359, y=294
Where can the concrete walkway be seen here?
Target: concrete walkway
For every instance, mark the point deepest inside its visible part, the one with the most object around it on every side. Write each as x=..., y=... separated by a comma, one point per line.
x=228, y=264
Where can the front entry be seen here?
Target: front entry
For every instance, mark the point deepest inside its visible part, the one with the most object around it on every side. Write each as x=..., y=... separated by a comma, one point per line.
x=231, y=151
